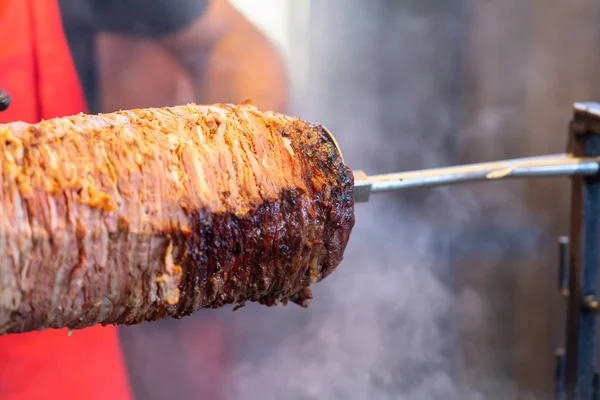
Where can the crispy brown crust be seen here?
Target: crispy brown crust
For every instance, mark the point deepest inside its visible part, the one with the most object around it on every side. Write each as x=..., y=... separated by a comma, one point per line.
x=142, y=214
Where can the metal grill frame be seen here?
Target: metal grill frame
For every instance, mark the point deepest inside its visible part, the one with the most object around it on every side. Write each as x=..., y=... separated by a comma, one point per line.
x=577, y=378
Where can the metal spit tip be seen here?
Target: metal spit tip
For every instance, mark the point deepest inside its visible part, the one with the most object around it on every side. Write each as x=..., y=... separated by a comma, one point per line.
x=334, y=142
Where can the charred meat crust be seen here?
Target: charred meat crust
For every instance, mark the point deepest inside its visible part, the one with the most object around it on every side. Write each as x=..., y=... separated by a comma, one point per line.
x=143, y=214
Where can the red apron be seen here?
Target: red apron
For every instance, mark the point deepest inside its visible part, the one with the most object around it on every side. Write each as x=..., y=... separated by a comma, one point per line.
x=37, y=70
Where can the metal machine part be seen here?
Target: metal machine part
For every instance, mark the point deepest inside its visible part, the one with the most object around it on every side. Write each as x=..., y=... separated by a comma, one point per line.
x=577, y=378
x=4, y=100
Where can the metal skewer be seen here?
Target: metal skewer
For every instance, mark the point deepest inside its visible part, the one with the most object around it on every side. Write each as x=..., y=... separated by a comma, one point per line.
x=530, y=167
x=554, y=165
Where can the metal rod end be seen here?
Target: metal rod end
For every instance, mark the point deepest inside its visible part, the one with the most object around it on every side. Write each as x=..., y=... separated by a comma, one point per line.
x=591, y=303
x=4, y=100
x=362, y=187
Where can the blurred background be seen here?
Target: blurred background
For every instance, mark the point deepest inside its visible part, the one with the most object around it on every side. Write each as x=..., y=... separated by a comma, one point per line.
x=443, y=294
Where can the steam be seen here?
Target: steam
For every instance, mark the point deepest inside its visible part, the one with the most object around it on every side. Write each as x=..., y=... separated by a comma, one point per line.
x=387, y=324
x=382, y=327
x=392, y=322
x=376, y=330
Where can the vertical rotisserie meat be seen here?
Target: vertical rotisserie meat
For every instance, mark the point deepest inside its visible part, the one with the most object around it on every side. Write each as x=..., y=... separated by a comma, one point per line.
x=137, y=215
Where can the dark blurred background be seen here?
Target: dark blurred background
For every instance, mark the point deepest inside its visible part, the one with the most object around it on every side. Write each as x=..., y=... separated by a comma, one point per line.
x=443, y=294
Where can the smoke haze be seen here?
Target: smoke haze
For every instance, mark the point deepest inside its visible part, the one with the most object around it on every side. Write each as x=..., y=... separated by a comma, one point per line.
x=384, y=79
x=443, y=293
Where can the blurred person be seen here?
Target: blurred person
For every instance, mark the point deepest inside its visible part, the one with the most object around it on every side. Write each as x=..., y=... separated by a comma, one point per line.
x=49, y=65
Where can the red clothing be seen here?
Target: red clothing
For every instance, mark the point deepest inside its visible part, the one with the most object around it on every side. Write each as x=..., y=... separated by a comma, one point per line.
x=37, y=71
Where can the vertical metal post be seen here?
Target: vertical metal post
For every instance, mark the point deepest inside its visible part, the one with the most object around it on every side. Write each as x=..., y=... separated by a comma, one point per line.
x=563, y=259
x=560, y=374
x=580, y=356
x=563, y=288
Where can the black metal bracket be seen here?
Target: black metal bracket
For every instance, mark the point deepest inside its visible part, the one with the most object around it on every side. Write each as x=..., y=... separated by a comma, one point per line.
x=577, y=378
x=4, y=100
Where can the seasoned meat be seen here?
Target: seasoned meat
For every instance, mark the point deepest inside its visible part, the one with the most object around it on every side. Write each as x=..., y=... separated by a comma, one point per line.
x=138, y=215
